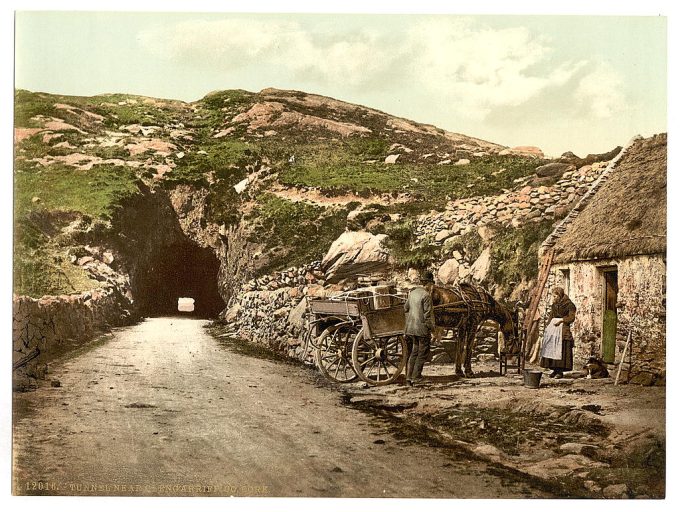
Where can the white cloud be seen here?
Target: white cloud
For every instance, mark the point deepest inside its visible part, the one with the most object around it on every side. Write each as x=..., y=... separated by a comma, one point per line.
x=353, y=58
x=482, y=69
x=471, y=69
x=600, y=92
x=227, y=42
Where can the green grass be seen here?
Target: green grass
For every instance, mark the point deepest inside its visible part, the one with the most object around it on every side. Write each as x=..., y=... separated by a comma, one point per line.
x=29, y=104
x=297, y=232
x=95, y=192
x=34, y=147
x=141, y=112
x=217, y=108
x=43, y=272
x=41, y=267
x=469, y=244
x=227, y=158
x=339, y=171
x=216, y=101
x=514, y=252
x=405, y=249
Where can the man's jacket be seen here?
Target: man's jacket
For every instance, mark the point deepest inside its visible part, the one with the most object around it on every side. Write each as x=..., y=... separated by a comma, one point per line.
x=419, y=313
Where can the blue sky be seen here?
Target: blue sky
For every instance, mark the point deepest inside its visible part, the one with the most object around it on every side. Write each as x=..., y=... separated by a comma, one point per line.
x=579, y=83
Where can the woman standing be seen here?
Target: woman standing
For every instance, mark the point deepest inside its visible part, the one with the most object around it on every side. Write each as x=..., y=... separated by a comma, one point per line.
x=562, y=312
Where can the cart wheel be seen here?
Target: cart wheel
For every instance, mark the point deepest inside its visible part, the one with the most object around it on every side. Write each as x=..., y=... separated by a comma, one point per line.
x=333, y=354
x=379, y=361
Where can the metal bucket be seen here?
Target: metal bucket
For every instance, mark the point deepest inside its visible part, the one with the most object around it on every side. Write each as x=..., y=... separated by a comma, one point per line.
x=532, y=378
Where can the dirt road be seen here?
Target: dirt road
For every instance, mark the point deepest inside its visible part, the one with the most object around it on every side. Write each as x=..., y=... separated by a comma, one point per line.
x=163, y=408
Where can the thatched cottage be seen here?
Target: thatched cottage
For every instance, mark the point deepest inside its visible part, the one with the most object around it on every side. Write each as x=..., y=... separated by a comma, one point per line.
x=610, y=257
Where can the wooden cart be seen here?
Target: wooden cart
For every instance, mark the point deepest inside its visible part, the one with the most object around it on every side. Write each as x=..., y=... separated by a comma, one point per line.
x=359, y=335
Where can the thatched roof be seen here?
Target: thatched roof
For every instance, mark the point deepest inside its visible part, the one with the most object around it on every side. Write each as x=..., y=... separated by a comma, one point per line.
x=627, y=215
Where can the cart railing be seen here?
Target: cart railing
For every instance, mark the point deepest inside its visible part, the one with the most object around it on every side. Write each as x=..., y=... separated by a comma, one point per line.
x=327, y=307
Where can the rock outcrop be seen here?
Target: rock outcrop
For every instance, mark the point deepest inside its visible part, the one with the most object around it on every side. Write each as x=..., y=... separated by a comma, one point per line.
x=353, y=254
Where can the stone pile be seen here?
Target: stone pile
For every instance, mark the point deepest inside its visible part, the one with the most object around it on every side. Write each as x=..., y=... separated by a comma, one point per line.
x=511, y=208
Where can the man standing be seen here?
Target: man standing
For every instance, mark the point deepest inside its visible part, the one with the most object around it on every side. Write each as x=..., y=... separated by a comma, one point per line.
x=419, y=327
x=562, y=313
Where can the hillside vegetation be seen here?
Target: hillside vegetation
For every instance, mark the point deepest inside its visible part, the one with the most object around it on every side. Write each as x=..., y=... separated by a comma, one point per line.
x=77, y=159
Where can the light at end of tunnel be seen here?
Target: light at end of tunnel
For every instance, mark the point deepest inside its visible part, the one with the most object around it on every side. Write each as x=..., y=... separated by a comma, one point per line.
x=185, y=304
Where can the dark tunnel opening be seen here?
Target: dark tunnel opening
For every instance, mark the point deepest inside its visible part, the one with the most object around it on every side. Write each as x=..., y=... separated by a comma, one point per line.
x=182, y=269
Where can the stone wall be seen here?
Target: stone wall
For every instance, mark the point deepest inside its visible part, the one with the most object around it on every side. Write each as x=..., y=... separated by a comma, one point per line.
x=642, y=297
x=53, y=324
x=268, y=310
x=516, y=208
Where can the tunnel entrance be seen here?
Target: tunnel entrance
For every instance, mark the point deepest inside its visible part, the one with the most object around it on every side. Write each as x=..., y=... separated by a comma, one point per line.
x=179, y=270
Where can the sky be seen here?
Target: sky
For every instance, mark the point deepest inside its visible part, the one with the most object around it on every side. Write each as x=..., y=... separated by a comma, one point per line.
x=563, y=83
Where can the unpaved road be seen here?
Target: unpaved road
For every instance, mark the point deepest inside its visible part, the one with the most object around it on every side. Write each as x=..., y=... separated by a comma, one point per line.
x=163, y=408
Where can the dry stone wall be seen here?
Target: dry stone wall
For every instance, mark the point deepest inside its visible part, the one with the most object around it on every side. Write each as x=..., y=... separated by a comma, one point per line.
x=268, y=310
x=54, y=323
x=516, y=208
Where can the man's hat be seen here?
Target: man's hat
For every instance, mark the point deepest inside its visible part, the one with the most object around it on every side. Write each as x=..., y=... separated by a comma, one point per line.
x=428, y=277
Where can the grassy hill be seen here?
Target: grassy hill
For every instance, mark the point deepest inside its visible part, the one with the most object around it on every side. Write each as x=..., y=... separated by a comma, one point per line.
x=77, y=159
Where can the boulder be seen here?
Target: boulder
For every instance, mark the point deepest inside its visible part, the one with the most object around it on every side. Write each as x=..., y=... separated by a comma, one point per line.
x=569, y=156
x=232, y=313
x=592, y=486
x=361, y=218
x=448, y=272
x=553, y=169
x=412, y=275
x=443, y=235
x=528, y=150
x=531, y=151
x=391, y=159
x=487, y=451
x=355, y=253
x=296, y=314
x=482, y=265
x=588, y=450
x=615, y=491
x=486, y=232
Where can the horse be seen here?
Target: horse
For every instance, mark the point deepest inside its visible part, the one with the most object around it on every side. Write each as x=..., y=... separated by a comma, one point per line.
x=464, y=309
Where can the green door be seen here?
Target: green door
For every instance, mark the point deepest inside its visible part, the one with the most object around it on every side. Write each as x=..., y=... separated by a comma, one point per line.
x=609, y=318
x=609, y=337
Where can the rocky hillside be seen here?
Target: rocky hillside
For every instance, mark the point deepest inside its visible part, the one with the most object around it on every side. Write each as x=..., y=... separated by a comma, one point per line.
x=124, y=191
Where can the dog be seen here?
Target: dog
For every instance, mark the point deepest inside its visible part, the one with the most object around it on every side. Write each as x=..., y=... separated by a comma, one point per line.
x=596, y=369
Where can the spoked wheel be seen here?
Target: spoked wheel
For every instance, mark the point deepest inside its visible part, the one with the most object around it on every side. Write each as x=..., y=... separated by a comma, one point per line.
x=379, y=361
x=334, y=352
